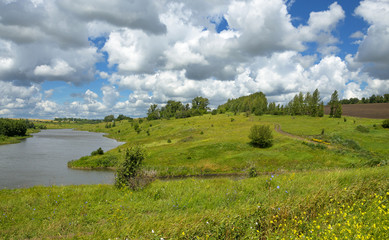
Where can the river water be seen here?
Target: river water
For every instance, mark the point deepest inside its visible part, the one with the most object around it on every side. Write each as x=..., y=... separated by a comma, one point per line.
x=42, y=159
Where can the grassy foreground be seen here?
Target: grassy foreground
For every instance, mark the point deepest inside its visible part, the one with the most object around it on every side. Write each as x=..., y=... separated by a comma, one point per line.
x=338, y=204
x=220, y=144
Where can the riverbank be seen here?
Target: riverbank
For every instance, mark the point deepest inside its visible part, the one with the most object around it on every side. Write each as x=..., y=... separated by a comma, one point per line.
x=4, y=140
x=311, y=205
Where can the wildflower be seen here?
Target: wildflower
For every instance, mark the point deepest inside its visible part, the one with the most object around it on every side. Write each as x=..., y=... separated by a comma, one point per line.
x=278, y=187
x=183, y=233
x=152, y=231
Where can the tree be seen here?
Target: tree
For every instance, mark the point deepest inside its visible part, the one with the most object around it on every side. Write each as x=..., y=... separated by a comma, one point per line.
x=314, y=103
x=320, y=112
x=153, y=113
x=261, y=136
x=336, y=107
x=130, y=167
x=200, y=104
x=109, y=118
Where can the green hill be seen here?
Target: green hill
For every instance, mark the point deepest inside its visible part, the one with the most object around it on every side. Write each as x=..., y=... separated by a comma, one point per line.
x=219, y=144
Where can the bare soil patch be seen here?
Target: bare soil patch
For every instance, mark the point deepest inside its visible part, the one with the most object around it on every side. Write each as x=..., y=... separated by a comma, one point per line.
x=369, y=110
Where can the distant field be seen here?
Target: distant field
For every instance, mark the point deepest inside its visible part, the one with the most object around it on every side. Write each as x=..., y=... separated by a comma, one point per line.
x=371, y=110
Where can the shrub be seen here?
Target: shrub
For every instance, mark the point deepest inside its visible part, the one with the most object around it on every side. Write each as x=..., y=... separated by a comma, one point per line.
x=253, y=172
x=362, y=129
x=261, y=136
x=129, y=169
x=385, y=123
x=99, y=151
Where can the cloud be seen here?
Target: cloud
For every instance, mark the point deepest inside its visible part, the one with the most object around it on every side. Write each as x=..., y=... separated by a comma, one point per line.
x=58, y=68
x=320, y=27
x=376, y=13
x=357, y=35
x=168, y=49
x=141, y=15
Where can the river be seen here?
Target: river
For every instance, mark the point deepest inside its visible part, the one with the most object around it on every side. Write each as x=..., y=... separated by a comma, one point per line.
x=42, y=159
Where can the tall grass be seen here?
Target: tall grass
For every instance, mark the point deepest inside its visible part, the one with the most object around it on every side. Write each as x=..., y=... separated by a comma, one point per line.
x=311, y=205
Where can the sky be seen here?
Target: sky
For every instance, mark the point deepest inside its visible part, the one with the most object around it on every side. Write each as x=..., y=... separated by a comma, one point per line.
x=93, y=58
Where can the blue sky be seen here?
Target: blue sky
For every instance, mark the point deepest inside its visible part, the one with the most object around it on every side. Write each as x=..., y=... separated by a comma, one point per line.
x=92, y=58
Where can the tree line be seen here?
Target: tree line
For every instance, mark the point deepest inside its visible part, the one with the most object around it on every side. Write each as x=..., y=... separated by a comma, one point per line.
x=308, y=104
x=178, y=110
x=372, y=99
x=77, y=120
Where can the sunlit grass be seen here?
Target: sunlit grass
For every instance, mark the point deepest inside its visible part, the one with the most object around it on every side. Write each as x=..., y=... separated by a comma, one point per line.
x=315, y=205
x=215, y=144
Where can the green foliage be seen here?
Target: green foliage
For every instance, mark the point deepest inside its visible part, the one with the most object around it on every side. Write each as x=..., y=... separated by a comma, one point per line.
x=175, y=109
x=385, y=123
x=349, y=143
x=200, y=104
x=10, y=128
x=99, y=151
x=129, y=168
x=335, y=106
x=372, y=99
x=261, y=136
x=109, y=118
x=362, y=129
x=253, y=172
x=309, y=105
x=255, y=103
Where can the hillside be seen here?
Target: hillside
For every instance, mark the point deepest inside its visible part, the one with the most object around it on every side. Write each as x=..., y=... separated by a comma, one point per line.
x=219, y=144
x=368, y=110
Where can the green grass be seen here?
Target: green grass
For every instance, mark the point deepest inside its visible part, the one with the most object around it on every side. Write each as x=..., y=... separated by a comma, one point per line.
x=315, y=205
x=214, y=144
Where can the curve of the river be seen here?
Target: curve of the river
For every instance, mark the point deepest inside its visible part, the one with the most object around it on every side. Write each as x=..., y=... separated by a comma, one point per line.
x=42, y=159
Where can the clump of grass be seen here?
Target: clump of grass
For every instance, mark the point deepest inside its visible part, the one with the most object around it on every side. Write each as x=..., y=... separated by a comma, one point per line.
x=362, y=129
x=385, y=123
x=349, y=143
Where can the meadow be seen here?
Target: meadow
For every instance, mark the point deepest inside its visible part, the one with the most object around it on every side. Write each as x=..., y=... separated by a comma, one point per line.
x=219, y=144
x=333, y=184
x=339, y=204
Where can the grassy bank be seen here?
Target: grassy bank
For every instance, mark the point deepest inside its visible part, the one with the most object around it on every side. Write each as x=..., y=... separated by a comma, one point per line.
x=349, y=204
x=17, y=139
x=220, y=144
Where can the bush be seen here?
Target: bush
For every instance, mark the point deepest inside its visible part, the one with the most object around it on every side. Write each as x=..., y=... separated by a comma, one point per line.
x=362, y=129
x=129, y=169
x=385, y=123
x=253, y=172
x=97, y=152
x=261, y=136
